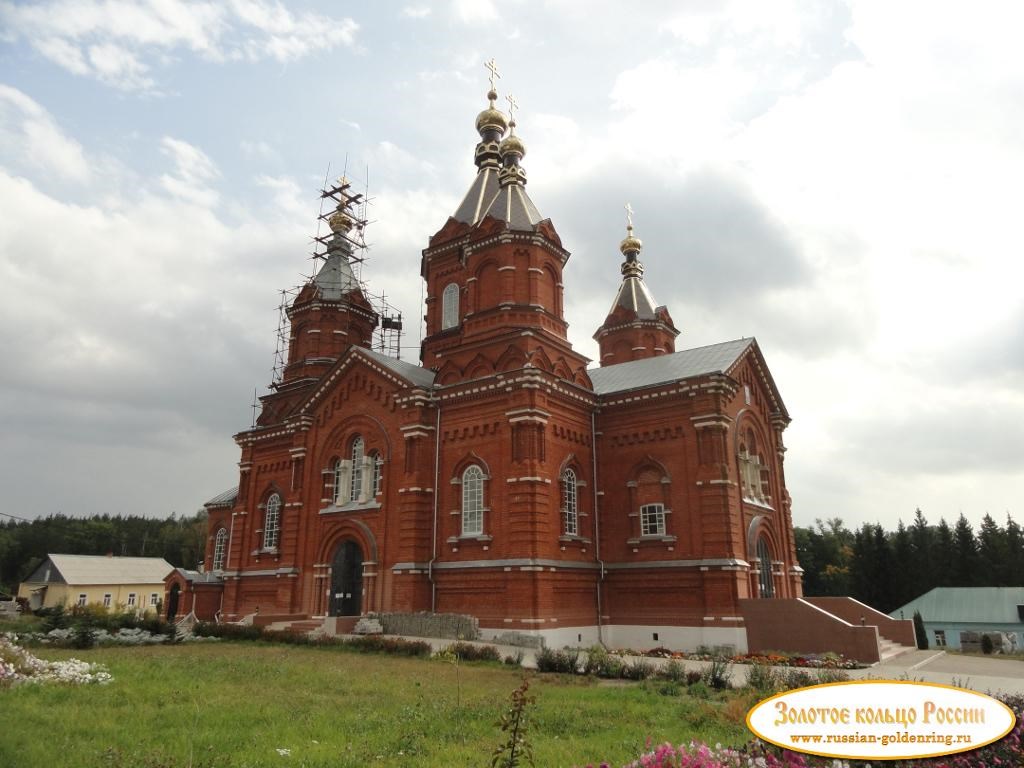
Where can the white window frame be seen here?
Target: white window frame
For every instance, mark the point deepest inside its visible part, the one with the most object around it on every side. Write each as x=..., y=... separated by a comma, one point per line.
x=450, y=306
x=220, y=549
x=652, y=520
x=339, y=481
x=473, y=501
x=940, y=638
x=272, y=522
x=570, y=508
x=355, y=487
x=132, y=599
x=154, y=598
x=377, y=467
x=107, y=599
x=765, y=578
x=82, y=599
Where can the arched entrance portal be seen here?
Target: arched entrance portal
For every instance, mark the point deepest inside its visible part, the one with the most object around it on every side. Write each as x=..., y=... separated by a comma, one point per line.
x=347, y=580
x=172, y=602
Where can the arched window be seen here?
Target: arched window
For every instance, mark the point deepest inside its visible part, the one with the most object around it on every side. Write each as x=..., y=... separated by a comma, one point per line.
x=272, y=522
x=377, y=465
x=220, y=549
x=764, y=567
x=339, y=477
x=472, y=501
x=570, y=512
x=450, y=306
x=355, y=488
x=751, y=469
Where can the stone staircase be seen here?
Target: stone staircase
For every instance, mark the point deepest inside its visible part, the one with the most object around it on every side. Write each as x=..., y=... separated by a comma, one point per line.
x=302, y=627
x=887, y=649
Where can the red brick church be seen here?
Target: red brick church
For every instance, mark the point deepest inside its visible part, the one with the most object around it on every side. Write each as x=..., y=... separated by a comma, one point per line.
x=635, y=503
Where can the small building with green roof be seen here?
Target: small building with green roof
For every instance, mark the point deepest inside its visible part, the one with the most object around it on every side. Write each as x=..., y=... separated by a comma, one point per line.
x=949, y=611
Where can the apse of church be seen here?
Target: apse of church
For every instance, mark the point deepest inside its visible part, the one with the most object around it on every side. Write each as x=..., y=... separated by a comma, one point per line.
x=501, y=477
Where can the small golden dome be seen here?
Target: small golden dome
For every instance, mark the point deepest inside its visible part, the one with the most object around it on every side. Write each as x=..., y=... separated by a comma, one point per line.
x=631, y=244
x=340, y=222
x=512, y=143
x=491, y=118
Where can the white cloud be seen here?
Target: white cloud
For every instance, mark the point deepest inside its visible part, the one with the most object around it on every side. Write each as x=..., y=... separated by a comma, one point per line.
x=474, y=11
x=194, y=171
x=416, y=11
x=32, y=139
x=119, y=42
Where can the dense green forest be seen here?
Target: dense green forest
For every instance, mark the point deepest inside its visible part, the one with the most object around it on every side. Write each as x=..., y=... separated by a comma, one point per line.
x=884, y=569
x=24, y=543
x=889, y=569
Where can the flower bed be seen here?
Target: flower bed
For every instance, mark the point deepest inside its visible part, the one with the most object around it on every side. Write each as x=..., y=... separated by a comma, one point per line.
x=18, y=666
x=775, y=659
x=62, y=638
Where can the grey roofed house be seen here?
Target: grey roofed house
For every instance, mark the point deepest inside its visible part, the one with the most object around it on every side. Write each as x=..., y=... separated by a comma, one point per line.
x=83, y=570
x=949, y=611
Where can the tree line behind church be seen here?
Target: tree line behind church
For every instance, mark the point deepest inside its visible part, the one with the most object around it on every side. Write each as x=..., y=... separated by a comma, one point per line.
x=24, y=544
x=888, y=569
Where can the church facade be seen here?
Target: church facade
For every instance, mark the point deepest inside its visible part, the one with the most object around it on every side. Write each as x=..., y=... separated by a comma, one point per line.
x=636, y=502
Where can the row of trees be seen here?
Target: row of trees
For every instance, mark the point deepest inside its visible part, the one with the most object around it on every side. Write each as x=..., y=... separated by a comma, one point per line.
x=24, y=544
x=887, y=569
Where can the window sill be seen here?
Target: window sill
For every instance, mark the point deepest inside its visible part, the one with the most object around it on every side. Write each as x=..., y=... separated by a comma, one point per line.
x=653, y=539
x=570, y=538
x=478, y=537
x=758, y=503
x=351, y=506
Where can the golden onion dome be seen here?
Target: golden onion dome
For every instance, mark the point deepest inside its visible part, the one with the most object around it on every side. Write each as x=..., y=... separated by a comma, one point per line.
x=491, y=118
x=340, y=222
x=512, y=143
x=631, y=244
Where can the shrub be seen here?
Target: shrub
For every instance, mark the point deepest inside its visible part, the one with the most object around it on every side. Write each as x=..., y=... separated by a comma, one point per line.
x=796, y=678
x=919, y=632
x=637, y=670
x=54, y=618
x=832, y=676
x=600, y=663
x=227, y=631
x=718, y=674
x=673, y=671
x=393, y=645
x=566, y=662
x=470, y=652
x=763, y=678
x=82, y=636
x=514, y=659
x=986, y=644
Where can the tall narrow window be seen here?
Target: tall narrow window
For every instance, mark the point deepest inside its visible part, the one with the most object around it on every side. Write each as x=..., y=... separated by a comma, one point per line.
x=220, y=549
x=764, y=567
x=355, y=489
x=377, y=464
x=472, y=501
x=338, y=497
x=106, y=600
x=450, y=307
x=570, y=516
x=751, y=469
x=272, y=522
x=131, y=599
x=652, y=520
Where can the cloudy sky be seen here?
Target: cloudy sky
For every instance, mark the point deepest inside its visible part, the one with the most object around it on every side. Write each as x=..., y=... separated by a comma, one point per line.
x=839, y=179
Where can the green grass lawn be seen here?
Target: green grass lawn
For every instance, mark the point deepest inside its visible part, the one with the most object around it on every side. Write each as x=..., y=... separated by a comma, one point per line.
x=235, y=704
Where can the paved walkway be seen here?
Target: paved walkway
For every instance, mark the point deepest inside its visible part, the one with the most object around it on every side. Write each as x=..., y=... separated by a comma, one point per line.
x=988, y=675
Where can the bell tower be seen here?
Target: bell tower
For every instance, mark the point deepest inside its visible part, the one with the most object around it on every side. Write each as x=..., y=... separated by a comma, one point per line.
x=636, y=327
x=494, y=272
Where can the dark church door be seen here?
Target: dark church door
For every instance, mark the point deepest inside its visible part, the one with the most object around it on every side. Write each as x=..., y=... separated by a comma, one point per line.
x=172, y=602
x=347, y=580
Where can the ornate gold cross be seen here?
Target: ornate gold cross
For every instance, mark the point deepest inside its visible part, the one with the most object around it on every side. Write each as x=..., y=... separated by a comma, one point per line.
x=491, y=65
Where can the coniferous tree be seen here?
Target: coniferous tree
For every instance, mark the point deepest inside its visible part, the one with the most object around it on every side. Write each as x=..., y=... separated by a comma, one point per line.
x=944, y=552
x=966, y=563
x=1014, y=553
x=992, y=552
x=921, y=561
x=902, y=590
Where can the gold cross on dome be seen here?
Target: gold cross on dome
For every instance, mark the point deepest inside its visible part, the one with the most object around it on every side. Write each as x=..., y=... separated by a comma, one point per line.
x=629, y=217
x=493, y=67
x=513, y=105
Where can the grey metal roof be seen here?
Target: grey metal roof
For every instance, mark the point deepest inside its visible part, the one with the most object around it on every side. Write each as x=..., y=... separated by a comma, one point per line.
x=481, y=192
x=96, y=569
x=716, y=358
x=995, y=605
x=225, y=499
x=514, y=206
x=208, y=577
x=633, y=294
x=417, y=374
x=335, y=278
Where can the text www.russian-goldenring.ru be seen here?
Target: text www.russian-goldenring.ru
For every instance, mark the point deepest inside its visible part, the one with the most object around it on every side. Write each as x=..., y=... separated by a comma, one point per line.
x=904, y=737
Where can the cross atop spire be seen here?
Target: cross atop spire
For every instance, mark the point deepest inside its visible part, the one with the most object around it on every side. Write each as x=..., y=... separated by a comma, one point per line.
x=493, y=67
x=513, y=105
x=629, y=217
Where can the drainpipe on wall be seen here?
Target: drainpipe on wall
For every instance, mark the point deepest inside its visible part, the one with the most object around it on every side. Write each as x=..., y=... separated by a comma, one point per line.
x=437, y=491
x=597, y=524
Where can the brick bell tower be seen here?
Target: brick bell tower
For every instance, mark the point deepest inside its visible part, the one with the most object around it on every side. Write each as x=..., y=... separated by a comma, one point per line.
x=636, y=327
x=329, y=315
x=494, y=273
